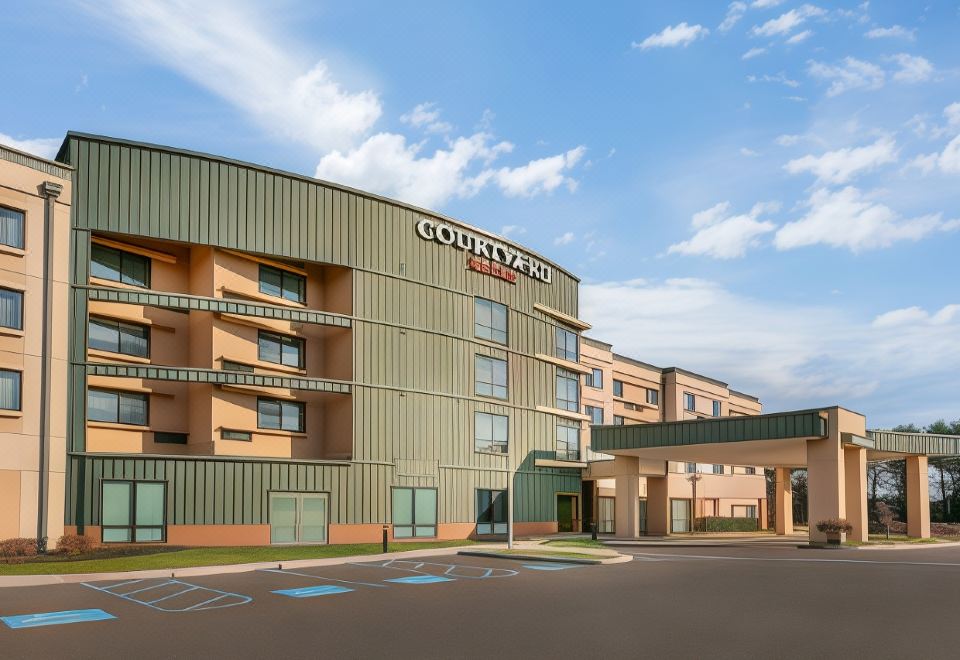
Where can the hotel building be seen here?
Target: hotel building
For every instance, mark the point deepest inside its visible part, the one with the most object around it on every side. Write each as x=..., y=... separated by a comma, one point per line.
x=211, y=352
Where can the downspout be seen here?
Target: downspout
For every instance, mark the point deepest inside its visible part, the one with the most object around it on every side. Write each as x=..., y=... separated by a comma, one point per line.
x=51, y=191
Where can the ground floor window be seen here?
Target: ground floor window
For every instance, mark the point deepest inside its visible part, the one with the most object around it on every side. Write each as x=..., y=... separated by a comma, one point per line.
x=605, y=515
x=744, y=511
x=680, y=516
x=298, y=517
x=491, y=512
x=133, y=511
x=414, y=513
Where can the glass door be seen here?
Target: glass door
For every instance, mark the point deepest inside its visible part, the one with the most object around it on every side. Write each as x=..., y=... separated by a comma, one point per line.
x=680, y=516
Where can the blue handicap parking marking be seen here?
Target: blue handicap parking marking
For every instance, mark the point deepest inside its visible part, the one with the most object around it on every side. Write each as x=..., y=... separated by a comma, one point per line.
x=309, y=592
x=420, y=579
x=55, y=618
x=550, y=567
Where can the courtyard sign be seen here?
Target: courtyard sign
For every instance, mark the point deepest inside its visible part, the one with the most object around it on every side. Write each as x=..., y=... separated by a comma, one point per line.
x=499, y=256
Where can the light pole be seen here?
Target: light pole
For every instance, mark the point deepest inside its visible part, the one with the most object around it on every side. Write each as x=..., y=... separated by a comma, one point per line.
x=693, y=479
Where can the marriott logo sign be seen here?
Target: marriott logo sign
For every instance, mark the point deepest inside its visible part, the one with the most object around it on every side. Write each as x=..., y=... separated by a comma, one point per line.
x=496, y=252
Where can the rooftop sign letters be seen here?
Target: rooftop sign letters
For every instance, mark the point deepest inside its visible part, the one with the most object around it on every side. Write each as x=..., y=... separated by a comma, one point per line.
x=500, y=256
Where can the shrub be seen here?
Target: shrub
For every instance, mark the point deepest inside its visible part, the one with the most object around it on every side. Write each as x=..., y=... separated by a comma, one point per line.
x=73, y=544
x=722, y=524
x=15, y=550
x=834, y=526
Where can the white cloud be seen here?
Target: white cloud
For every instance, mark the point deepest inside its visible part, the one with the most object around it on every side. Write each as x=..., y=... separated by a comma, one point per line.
x=843, y=164
x=800, y=37
x=917, y=315
x=786, y=23
x=926, y=163
x=787, y=140
x=512, y=230
x=913, y=68
x=851, y=73
x=427, y=117
x=543, y=175
x=952, y=113
x=847, y=219
x=228, y=49
x=723, y=236
x=796, y=99
x=564, y=239
x=778, y=78
x=892, y=32
x=765, y=4
x=744, y=151
x=43, y=147
x=672, y=36
x=949, y=160
x=753, y=52
x=735, y=11
x=793, y=355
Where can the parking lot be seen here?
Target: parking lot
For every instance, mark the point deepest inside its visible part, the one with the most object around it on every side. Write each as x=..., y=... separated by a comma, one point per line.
x=676, y=602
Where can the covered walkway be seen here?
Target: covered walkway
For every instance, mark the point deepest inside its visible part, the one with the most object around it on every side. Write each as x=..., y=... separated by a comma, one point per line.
x=833, y=444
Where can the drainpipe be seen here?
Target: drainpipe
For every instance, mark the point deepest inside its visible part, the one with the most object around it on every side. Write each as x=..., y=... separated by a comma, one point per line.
x=51, y=191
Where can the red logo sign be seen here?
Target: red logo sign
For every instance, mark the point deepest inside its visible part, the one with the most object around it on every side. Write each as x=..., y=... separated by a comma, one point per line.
x=491, y=268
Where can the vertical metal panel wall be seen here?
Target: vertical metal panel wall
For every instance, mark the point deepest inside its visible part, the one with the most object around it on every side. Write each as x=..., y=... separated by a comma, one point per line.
x=414, y=349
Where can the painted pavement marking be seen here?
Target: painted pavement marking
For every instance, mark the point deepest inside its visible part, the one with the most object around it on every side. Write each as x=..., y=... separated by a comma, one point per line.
x=310, y=592
x=201, y=598
x=54, y=618
x=812, y=560
x=420, y=579
x=551, y=567
x=321, y=577
x=465, y=571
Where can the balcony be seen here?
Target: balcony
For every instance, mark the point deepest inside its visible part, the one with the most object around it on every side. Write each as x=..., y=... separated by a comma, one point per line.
x=559, y=458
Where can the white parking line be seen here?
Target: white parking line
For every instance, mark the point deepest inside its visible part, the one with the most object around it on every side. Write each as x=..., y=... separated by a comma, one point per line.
x=648, y=556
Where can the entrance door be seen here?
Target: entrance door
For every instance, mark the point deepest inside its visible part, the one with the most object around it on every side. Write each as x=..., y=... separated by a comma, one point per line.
x=566, y=513
x=298, y=517
x=643, y=515
x=680, y=516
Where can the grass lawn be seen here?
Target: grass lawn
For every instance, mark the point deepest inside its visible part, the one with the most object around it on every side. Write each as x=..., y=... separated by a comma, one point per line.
x=160, y=558
x=576, y=543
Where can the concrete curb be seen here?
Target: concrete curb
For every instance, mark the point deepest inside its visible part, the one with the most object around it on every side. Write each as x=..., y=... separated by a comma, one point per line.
x=224, y=569
x=619, y=559
x=909, y=546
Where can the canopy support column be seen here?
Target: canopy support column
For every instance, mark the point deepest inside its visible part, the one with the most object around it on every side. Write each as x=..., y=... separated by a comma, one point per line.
x=784, y=492
x=855, y=474
x=918, y=498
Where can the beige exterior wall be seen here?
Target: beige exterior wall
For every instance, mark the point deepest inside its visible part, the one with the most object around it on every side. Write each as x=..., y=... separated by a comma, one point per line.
x=21, y=181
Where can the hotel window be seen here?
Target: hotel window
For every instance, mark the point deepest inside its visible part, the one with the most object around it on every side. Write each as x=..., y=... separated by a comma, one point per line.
x=717, y=469
x=11, y=309
x=716, y=408
x=490, y=320
x=568, y=442
x=689, y=468
x=491, y=377
x=133, y=511
x=233, y=434
x=617, y=387
x=11, y=227
x=653, y=397
x=230, y=365
x=10, y=387
x=115, y=265
x=118, y=337
x=283, y=284
x=595, y=413
x=618, y=420
x=594, y=378
x=414, y=513
x=279, y=415
x=749, y=470
x=567, y=345
x=491, y=512
x=165, y=438
x=689, y=401
x=568, y=390
x=280, y=349
x=117, y=407
x=744, y=510
x=490, y=433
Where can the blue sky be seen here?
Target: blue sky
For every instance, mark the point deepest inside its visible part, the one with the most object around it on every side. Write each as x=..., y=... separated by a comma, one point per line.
x=763, y=191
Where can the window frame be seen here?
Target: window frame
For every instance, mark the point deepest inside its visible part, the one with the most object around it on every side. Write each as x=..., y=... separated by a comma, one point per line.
x=169, y=435
x=565, y=453
x=716, y=408
x=284, y=274
x=281, y=338
x=302, y=415
x=493, y=386
x=693, y=402
x=120, y=394
x=505, y=444
x=23, y=227
x=563, y=353
x=19, y=326
x=617, y=388
x=19, y=374
x=590, y=411
x=619, y=420
x=105, y=320
x=715, y=469
x=413, y=512
x=123, y=255
x=653, y=394
x=569, y=377
x=133, y=526
x=594, y=379
x=493, y=521
x=479, y=301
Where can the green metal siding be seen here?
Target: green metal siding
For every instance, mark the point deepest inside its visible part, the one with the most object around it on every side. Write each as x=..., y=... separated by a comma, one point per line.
x=412, y=328
x=708, y=431
x=915, y=443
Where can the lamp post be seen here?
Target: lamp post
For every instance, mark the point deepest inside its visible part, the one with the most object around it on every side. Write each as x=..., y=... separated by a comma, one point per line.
x=693, y=479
